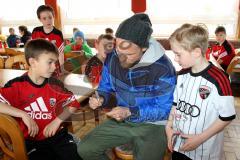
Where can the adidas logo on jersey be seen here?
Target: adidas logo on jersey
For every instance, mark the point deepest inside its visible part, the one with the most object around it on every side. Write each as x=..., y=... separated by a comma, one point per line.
x=38, y=110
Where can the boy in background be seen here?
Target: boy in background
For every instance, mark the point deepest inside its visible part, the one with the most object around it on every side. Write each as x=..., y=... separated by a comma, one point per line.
x=223, y=51
x=40, y=104
x=79, y=44
x=104, y=45
x=12, y=39
x=45, y=15
x=203, y=103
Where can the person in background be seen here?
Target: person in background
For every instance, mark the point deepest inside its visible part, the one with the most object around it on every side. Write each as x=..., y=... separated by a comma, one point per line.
x=143, y=79
x=40, y=104
x=109, y=31
x=25, y=35
x=74, y=31
x=47, y=31
x=81, y=47
x=203, y=104
x=79, y=44
x=223, y=51
x=104, y=45
x=12, y=39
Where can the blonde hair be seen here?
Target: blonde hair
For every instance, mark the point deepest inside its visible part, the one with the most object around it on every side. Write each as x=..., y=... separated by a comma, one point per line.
x=189, y=37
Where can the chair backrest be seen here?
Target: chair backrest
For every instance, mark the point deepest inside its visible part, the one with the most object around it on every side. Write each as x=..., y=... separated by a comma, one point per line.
x=12, y=52
x=20, y=59
x=11, y=139
x=234, y=66
x=75, y=62
x=1, y=63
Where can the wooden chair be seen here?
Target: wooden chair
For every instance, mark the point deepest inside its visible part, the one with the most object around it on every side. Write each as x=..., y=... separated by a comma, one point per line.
x=18, y=60
x=234, y=66
x=11, y=139
x=1, y=63
x=75, y=62
x=127, y=155
x=12, y=52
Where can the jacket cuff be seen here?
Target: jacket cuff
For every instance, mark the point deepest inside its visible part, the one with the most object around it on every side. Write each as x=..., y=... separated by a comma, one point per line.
x=134, y=112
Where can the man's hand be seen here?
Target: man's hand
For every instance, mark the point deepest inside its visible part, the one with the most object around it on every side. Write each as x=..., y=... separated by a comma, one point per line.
x=119, y=113
x=31, y=124
x=51, y=129
x=94, y=102
x=192, y=141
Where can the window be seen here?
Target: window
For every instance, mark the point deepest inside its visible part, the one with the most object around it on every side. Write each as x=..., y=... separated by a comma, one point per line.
x=93, y=16
x=167, y=15
x=14, y=13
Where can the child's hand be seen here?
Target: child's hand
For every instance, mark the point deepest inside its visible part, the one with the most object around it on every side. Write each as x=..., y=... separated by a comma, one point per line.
x=192, y=141
x=51, y=129
x=170, y=134
x=31, y=125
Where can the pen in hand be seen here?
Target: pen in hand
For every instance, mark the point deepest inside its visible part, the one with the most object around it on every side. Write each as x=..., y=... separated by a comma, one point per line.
x=97, y=96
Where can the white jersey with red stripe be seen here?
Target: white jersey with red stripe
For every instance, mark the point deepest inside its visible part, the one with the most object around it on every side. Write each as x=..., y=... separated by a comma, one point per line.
x=199, y=100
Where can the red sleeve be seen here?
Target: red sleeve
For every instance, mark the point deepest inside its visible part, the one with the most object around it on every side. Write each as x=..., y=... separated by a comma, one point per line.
x=9, y=94
x=64, y=96
x=34, y=35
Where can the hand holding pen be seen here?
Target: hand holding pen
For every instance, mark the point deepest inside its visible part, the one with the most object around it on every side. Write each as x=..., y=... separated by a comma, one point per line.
x=95, y=101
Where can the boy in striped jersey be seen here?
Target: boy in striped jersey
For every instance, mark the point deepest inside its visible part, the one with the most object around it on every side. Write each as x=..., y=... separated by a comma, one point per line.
x=40, y=104
x=45, y=15
x=203, y=103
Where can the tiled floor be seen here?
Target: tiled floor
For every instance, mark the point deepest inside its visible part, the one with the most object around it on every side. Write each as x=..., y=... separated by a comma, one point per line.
x=231, y=135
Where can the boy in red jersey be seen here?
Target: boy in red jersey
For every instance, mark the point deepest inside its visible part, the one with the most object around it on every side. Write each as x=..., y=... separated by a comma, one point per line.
x=40, y=104
x=49, y=32
x=223, y=51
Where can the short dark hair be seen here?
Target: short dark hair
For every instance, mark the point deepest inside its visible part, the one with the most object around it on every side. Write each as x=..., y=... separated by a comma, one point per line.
x=11, y=29
x=23, y=28
x=220, y=29
x=36, y=47
x=43, y=8
x=105, y=36
x=108, y=30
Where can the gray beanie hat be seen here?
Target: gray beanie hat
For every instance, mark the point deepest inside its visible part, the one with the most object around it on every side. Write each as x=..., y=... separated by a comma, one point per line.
x=137, y=29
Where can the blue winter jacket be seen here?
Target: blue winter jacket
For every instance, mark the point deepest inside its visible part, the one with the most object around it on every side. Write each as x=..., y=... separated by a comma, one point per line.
x=146, y=88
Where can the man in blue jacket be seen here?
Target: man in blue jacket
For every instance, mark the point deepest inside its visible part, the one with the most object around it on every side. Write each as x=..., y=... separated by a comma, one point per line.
x=143, y=80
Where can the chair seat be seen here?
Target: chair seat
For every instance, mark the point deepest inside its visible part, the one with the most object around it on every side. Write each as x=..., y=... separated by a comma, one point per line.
x=125, y=149
x=124, y=152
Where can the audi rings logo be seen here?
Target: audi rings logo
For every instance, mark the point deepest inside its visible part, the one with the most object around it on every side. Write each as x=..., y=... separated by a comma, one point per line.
x=188, y=109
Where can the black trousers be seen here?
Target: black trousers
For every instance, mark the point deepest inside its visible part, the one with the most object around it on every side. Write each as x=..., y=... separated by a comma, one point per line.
x=59, y=147
x=179, y=156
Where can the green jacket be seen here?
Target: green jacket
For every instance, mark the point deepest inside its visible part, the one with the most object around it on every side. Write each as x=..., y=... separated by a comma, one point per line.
x=85, y=47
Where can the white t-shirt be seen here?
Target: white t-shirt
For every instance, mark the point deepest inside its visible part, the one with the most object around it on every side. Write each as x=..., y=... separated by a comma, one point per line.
x=200, y=99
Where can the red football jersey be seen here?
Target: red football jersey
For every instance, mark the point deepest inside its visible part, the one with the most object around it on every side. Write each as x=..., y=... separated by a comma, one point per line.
x=42, y=102
x=56, y=37
x=225, y=52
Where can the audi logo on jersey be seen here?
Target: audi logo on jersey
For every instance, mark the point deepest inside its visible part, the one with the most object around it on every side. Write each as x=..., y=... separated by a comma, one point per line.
x=188, y=109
